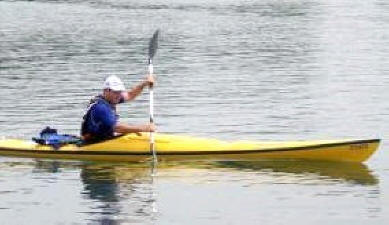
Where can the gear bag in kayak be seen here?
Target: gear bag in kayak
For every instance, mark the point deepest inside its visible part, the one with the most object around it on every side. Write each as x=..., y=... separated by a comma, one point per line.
x=49, y=136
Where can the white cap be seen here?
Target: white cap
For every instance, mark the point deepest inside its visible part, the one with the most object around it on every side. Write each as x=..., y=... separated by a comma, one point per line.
x=114, y=83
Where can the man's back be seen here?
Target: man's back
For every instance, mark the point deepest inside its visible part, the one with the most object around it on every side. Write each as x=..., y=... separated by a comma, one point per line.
x=99, y=120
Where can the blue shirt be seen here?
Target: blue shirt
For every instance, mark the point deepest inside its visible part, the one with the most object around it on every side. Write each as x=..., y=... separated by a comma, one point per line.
x=100, y=120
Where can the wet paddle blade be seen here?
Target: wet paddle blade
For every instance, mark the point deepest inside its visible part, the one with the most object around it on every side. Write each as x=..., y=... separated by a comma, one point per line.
x=153, y=45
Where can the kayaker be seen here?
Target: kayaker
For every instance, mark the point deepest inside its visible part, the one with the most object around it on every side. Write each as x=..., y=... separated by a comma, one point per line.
x=101, y=120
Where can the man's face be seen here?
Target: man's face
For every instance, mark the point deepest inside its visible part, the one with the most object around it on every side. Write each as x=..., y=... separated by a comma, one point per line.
x=114, y=96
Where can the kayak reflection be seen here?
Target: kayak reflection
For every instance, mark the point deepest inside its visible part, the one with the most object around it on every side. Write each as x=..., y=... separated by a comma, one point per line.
x=356, y=173
x=97, y=173
x=126, y=191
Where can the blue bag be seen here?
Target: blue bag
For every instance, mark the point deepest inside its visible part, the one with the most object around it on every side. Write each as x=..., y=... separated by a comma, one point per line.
x=49, y=136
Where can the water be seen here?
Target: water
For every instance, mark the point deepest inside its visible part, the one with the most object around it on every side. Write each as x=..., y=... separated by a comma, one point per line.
x=246, y=69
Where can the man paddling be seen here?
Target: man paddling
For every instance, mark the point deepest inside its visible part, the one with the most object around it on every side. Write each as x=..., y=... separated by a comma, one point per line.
x=101, y=121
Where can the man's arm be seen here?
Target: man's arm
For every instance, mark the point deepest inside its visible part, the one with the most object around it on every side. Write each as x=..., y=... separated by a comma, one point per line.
x=135, y=91
x=125, y=128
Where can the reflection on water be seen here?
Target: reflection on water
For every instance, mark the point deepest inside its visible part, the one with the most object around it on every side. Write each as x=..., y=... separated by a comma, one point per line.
x=100, y=183
x=126, y=192
x=118, y=190
x=355, y=173
x=100, y=176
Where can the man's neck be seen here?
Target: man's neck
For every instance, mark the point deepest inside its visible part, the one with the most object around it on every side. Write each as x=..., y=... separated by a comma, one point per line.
x=105, y=97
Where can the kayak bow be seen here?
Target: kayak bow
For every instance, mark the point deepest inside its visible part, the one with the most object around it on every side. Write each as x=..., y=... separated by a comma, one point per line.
x=173, y=147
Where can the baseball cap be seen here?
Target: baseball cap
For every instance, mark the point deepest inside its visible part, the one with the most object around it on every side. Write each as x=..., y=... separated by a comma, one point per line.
x=114, y=83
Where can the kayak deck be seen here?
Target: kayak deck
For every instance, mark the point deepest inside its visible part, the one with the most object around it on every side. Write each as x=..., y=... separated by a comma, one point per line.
x=176, y=148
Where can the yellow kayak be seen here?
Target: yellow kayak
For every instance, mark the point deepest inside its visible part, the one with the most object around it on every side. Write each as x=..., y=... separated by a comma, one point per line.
x=135, y=148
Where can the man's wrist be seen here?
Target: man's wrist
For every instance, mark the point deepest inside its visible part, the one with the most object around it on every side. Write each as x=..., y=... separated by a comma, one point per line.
x=143, y=84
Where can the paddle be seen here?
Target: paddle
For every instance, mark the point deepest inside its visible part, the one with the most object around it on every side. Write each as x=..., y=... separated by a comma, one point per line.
x=153, y=46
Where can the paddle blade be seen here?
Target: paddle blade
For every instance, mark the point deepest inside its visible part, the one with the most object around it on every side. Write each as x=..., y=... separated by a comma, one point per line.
x=153, y=45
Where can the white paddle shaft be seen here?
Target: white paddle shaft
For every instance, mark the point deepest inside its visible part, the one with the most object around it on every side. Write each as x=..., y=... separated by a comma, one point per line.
x=152, y=149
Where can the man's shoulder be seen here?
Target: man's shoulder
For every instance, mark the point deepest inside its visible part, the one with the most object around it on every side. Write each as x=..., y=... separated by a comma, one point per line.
x=100, y=106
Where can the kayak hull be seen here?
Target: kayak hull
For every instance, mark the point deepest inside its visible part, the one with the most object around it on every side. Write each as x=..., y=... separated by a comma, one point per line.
x=133, y=148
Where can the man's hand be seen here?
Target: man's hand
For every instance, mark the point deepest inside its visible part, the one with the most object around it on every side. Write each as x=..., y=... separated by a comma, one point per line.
x=135, y=91
x=149, y=80
x=151, y=127
x=148, y=128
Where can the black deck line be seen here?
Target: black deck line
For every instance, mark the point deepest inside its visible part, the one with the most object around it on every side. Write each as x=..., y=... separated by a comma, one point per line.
x=224, y=152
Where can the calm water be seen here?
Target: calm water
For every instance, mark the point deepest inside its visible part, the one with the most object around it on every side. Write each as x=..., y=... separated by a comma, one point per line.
x=242, y=69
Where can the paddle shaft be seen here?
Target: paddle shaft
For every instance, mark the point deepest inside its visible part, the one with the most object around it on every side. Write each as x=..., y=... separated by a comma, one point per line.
x=153, y=46
x=152, y=149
